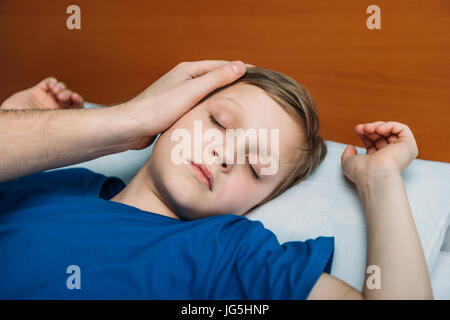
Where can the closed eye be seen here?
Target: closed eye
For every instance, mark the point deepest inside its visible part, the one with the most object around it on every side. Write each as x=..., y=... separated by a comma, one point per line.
x=253, y=172
x=252, y=169
x=217, y=123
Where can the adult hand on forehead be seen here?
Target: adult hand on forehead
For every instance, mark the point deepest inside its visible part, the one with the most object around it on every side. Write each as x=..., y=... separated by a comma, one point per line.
x=169, y=98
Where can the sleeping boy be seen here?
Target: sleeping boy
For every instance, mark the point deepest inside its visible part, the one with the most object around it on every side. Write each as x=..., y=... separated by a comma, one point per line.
x=179, y=231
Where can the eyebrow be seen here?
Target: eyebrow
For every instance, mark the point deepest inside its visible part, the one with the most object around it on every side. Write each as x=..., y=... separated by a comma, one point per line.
x=234, y=102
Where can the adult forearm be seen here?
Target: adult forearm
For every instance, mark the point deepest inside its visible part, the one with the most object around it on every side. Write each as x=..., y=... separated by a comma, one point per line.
x=37, y=140
x=392, y=240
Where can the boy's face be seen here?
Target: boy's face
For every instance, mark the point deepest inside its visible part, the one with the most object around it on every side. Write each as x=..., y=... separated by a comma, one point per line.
x=235, y=188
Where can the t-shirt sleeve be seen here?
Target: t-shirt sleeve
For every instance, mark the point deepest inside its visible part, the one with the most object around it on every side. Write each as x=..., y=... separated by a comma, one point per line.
x=3, y=188
x=67, y=181
x=269, y=270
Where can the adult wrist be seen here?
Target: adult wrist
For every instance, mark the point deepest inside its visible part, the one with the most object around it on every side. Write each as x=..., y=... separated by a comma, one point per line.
x=135, y=125
x=116, y=127
x=137, y=112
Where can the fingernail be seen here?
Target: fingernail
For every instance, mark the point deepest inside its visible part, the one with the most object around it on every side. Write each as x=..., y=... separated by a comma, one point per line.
x=236, y=66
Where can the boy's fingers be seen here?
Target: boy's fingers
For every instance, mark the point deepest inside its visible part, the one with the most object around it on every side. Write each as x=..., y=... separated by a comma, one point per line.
x=359, y=130
x=404, y=134
x=371, y=140
x=47, y=83
x=371, y=150
x=398, y=129
x=349, y=151
x=57, y=88
x=77, y=99
x=380, y=143
x=369, y=129
x=385, y=130
x=364, y=133
x=382, y=133
x=214, y=79
x=392, y=138
x=64, y=95
x=367, y=142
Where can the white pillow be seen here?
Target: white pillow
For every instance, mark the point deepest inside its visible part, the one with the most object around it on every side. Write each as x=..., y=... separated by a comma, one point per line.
x=446, y=244
x=327, y=204
x=440, y=277
x=124, y=165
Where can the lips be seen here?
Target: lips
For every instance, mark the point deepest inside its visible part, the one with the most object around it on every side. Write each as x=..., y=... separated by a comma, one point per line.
x=204, y=175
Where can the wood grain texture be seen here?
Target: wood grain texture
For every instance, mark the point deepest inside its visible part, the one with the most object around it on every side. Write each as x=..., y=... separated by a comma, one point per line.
x=355, y=75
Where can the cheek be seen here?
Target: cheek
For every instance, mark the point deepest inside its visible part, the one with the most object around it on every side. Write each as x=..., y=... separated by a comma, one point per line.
x=162, y=170
x=239, y=194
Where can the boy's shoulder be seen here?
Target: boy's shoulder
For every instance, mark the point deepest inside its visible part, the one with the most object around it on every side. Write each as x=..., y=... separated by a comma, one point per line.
x=56, y=176
x=67, y=181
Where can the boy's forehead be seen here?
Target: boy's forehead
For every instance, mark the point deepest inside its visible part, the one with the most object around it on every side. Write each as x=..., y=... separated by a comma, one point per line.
x=256, y=109
x=248, y=96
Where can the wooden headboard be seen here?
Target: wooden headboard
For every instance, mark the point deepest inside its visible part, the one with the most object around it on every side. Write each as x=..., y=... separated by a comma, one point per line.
x=400, y=72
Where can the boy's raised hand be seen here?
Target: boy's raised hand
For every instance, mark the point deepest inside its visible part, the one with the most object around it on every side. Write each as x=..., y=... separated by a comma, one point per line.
x=48, y=94
x=388, y=145
x=166, y=100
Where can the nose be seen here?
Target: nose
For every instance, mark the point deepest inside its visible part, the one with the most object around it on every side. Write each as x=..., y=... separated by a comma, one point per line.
x=224, y=167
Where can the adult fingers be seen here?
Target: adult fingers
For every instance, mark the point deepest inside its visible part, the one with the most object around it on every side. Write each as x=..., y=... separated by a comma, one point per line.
x=198, y=68
x=219, y=77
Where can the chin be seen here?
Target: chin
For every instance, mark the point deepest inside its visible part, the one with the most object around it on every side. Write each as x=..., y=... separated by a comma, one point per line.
x=187, y=205
x=180, y=195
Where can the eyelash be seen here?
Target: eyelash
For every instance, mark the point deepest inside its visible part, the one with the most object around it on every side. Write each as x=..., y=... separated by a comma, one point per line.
x=253, y=171
x=213, y=120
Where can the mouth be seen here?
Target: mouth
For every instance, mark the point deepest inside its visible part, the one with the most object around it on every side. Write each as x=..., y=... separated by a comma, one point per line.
x=203, y=174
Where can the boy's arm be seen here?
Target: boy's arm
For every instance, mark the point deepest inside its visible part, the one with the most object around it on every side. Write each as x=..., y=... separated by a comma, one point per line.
x=392, y=240
x=393, y=244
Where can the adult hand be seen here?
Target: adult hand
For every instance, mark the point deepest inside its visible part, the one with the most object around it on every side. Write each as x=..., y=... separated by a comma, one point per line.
x=389, y=145
x=166, y=100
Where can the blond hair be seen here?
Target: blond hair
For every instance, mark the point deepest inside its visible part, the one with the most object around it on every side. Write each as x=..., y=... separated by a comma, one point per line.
x=296, y=100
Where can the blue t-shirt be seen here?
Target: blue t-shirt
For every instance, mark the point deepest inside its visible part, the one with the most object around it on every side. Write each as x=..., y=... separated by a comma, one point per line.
x=52, y=220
